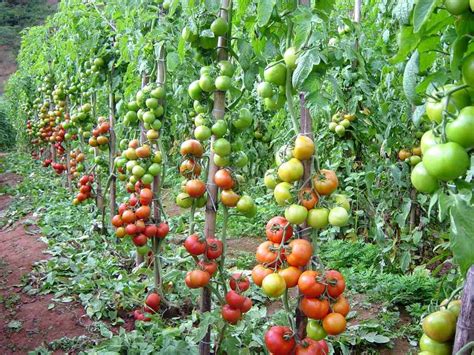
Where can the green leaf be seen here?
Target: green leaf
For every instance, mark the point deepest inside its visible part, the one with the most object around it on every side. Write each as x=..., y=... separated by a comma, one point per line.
x=422, y=12
x=264, y=11
x=409, y=79
x=462, y=233
x=324, y=5
x=305, y=66
x=407, y=42
x=457, y=52
x=418, y=115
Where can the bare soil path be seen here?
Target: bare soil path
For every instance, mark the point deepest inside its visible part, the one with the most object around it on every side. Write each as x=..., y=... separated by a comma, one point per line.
x=28, y=321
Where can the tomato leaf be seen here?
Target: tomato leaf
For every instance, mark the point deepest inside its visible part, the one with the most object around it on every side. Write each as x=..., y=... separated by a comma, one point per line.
x=422, y=12
x=407, y=42
x=305, y=66
x=409, y=79
x=457, y=52
x=462, y=235
x=264, y=11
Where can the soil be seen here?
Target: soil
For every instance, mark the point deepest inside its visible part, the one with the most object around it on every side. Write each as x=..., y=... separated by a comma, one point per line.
x=26, y=320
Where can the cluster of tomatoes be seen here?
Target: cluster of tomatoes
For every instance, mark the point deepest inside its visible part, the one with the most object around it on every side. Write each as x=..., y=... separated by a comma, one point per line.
x=439, y=329
x=340, y=122
x=411, y=156
x=193, y=189
x=76, y=162
x=206, y=252
x=140, y=162
x=100, y=137
x=81, y=122
x=147, y=108
x=226, y=182
x=47, y=162
x=236, y=303
x=324, y=183
x=202, y=25
x=85, y=189
x=58, y=167
x=281, y=340
x=133, y=216
x=272, y=88
x=151, y=306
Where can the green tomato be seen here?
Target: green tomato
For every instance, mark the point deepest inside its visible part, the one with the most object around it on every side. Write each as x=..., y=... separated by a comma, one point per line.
x=149, y=117
x=271, y=179
x=147, y=179
x=152, y=103
x=342, y=201
x=194, y=90
x=440, y=326
x=446, y=161
x=414, y=160
x=226, y=68
x=157, y=158
x=143, y=250
x=219, y=26
x=183, y=200
x=275, y=73
x=291, y=170
x=457, y=101
x=223, y=83
x=245, y=204
x=159, y=111
x=273, y=105
x=206, y=83
x=138, y=171
x=198, y=107
x=468, y=64
x=290, y=58
x=338, y=216
x=131, y=116
x=296, y=214
x=315, y=330
x=221, y=161
x=201, y=201
x=274, y=285
x=240, y=159
x=188, y=35
x=156, y=125
x=345, y=123
x=282, y=193
x=340, y=130
x=222, y=147
x=428, y=140
x=265, y=90
x=202, y=133
x=461, y=129
x=457, y=7
x=133, y=106
x=200, y=120
x=219, y=128
x=154, y=169
x=332, y=126
x=158, y=93
x=252, y=213
x=434, y=347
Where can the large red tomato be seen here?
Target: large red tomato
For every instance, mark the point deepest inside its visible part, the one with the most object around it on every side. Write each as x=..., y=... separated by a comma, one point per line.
x=280, y=340
x=277, y=227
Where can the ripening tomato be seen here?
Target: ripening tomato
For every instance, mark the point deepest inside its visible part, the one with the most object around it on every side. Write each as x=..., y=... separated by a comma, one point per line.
x=291, y=274
x=308, y=198
x=143, y=212
x=162, y=230
x=276, y=227
x=139, y=240
x=308, y=346
x=434, y=347
x=150, y=230
x=197, y=279
x=153, y=301
x=117, y=221
x=131, y=229
x=146, y=196
x=280, y=340
x=229, y=198
x=230, y=314
x=128, y=216
x=314, y=308
x=214, y=248
x=183, y=200
x=239, y=282
x=190, y=168
x=300, y=252
x=192, y=147
x=274, y=285
x=223, y=179
x=268, y=253
x=304, y=148
x=341, y=306
x=195, y=188
x=334, y=323
x=325, y=182
x=195, y=245
x=246, y=306
x=234, y=299
x=440, y=326
x=335, y=283
x=324, y=347
x=309, y=284
x=209, y=266
x=259, y=272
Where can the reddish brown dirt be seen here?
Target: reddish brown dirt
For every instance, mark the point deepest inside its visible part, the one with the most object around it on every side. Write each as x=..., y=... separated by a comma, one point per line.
x=25, y=321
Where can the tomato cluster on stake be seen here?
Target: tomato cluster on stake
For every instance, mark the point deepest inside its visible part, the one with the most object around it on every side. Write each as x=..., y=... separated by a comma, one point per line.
x=193, y=189
x=76, y=162
x=236, y=303
x=324, y=183
x=133, y=219
x=85, y=189
x=140, y=162
x=100, y=137
x=439, y=329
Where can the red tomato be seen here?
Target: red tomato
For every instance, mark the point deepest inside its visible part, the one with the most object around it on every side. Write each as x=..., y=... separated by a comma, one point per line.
x=276, y=227
x=280, y=340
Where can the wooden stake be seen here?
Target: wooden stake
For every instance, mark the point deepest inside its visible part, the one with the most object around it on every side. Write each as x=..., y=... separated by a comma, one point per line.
x=465, y=325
